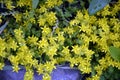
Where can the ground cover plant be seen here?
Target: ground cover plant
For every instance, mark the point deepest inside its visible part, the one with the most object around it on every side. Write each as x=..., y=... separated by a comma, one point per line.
x=40, y=34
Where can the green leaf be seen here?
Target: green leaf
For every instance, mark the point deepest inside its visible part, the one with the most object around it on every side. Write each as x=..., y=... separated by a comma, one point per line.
x=67, y=14
x=115, y=53
x=35, y=3
x=97, y=5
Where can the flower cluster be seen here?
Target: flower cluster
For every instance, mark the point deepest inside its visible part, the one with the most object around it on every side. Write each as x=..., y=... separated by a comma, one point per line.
x=37, y=41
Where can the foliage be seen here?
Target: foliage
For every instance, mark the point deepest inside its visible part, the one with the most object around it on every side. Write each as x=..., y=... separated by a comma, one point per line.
x=96, y=5
x=46, y=33
x=115, y=53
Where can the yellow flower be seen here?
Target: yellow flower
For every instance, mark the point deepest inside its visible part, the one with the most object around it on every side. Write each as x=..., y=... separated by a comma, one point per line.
x=99, y=69
x=52, y=40
x=69, y=30
x=85, y=39
x=106, y=11
x=115, y=9
x=52, y=3
x=9, y=5
x=49, y=66
x=18, y=32
x=46, y=76
x=16, y=68
x=76, y=49
x=0, y=19
x=103, y=62
x=1, y=66
x=28, y=59
x=94, y=38
x=43, y=43
x=46, y=31
x=14, y=59
x=28, y=75
x=65, y=50
x=26, y=14
x=51, y=18
x=12, y=44
x=116, y=27
x=79, y=16
x=103, y=24
x=41, y=21
x=102, y=42
x=17, y=17
x=86, y=16
x=23, y=48
x=34, y=63
x=2, y=47
x=61, y=38
x=73, y=61
x=52, y=50
x=85, y=66
x=19, y=36
x=113, y=36
x=85, y=28
x=116, y=43
x=40, y=69
x=22, y=3
x=92, y=19
x=88, y=53
x=32, y=20
x=96, y=77
x=42, y=9
x=74, y=22
x=32, y=40
x=59, y=2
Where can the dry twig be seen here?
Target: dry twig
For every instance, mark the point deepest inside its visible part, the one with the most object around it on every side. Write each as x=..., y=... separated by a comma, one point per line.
x=3, y=26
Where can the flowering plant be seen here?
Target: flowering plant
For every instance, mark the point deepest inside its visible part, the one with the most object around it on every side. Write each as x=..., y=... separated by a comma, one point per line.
x=42, y=34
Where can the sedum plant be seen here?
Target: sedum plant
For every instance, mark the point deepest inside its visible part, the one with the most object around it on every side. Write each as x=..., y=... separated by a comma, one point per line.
x=44, y=33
